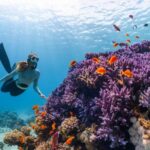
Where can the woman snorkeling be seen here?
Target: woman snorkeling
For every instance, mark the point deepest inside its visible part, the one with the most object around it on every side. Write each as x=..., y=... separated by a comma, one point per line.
x=24, y=72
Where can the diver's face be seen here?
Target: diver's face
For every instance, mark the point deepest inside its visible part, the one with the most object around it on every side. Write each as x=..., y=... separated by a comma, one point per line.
x=33, y=62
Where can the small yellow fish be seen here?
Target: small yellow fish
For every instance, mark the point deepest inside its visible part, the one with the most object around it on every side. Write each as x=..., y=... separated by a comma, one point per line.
x=69, y=140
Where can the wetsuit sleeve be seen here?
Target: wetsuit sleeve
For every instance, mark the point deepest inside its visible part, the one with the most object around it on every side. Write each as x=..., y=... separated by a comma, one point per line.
x=35, y=84
x=9, y=76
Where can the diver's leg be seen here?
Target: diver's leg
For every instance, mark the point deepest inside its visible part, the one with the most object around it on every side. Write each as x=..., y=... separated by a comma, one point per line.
x=4, y=59
x=7, y=85
x=15, y=91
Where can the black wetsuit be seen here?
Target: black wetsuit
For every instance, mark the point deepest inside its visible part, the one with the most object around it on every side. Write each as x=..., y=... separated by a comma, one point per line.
x=11, y=87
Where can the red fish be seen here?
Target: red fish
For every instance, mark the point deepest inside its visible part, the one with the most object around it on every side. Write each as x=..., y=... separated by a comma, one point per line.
x=73, y=63
x=115, y=44
x=116, y=27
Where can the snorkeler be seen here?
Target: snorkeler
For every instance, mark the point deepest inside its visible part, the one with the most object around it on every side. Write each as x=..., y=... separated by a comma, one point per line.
x=25, y=71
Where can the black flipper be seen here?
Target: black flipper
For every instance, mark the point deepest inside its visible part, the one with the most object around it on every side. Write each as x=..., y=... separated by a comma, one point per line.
x=4, y=59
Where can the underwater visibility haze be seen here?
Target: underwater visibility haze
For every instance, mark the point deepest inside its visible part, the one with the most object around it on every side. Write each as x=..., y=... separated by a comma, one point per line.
x=93, y=56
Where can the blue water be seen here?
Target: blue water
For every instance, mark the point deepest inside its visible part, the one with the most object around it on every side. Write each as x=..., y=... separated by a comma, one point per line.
x=60, y=31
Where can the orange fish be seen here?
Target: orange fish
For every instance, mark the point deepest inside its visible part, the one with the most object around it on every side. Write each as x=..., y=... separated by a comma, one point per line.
x=137, y=37
x=33, y=126
x=101, y=70
x=128, y=41
x=115, y=44
x=22, y=140
x=120, y=82
x=43, y=127
x=126, y=34
x=127, y=73
x=73, y=63
x=113, y=59
x=43, y=114
x=69, y=140
x=37, y=112
x=96, y=60
x=53, y=126
x=35, y=107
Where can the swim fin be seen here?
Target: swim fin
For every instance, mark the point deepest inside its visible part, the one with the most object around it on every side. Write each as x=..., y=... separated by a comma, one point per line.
x=4, y=59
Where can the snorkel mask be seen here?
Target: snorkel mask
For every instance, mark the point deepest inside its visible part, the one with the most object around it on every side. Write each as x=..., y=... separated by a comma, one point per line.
x=32, y=60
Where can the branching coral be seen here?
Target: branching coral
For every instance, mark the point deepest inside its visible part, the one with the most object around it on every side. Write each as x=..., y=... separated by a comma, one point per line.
x=107, y=100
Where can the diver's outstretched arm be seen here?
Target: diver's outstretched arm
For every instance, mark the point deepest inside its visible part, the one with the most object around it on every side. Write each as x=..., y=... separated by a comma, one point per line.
x=36, y=88
x=9, y=76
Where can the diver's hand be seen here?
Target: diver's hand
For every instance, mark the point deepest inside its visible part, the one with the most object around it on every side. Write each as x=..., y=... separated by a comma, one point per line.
x=43, y=96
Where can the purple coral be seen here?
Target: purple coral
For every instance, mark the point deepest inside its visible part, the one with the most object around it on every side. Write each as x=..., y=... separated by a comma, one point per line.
x=103, y=99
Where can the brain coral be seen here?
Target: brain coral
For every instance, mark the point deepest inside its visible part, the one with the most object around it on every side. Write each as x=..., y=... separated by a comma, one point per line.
x=107, y=100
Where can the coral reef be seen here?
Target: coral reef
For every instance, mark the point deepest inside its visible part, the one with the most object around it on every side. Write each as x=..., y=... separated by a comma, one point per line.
x=21, y=138
x=106, y=99
x=100, y=105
